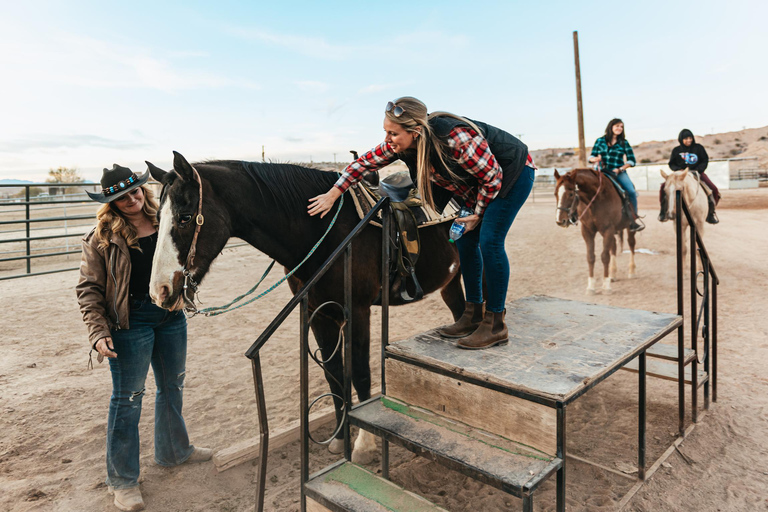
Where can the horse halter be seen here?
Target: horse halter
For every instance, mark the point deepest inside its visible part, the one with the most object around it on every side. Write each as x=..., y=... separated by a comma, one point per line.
x=189, y=282
x=575, y=202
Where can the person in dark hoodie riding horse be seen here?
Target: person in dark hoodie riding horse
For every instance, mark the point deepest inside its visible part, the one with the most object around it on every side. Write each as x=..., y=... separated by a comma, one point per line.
x=486, y=169
x=692, y=156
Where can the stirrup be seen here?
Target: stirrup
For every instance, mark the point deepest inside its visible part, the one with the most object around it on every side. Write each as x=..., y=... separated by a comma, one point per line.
x=637, y=225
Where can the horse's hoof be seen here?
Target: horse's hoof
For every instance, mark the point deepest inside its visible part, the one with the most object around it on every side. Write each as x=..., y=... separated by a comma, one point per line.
x=631, y=276
x=336, y=446
x=590, y=291
x=362, y=457
x=607, y=291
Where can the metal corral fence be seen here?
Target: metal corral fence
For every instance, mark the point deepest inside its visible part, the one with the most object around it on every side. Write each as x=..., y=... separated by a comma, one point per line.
x=48, y=224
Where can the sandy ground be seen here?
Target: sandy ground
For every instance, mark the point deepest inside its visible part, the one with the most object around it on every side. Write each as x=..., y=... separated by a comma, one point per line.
x=53, y=412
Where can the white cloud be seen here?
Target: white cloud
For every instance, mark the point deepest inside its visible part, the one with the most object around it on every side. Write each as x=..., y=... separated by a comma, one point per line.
x=313, y=86
x=310, y=46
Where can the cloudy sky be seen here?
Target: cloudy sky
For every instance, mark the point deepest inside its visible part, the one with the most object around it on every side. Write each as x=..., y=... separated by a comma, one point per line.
x=86, y=84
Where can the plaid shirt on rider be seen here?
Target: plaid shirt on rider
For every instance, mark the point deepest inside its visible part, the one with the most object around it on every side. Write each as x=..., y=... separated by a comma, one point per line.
x=469, y=149
x=613, y=157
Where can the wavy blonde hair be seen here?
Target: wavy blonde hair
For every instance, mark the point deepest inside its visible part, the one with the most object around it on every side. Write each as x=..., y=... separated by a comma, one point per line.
x=110, y=220
x=415, y=118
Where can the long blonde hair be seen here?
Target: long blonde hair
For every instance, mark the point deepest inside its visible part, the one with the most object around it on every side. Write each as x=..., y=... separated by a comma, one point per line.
x=110, y=220
x=416, y=119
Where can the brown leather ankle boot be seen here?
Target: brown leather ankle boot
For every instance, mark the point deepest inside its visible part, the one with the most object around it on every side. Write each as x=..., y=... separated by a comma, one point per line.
x=466, y=324
x=492, y=331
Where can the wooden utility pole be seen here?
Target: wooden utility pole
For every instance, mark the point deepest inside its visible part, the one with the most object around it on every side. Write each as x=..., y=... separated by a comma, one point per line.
x=579, y=108
x=262, y=154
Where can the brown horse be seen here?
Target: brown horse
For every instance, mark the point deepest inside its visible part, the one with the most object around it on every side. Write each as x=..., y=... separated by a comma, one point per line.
x=584, y=195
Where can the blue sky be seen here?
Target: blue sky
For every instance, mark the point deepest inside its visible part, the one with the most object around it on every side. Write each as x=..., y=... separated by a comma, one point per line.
x=86, y=84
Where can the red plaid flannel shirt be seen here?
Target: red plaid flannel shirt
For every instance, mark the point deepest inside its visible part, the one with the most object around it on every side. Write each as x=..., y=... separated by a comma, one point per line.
x=469, y=149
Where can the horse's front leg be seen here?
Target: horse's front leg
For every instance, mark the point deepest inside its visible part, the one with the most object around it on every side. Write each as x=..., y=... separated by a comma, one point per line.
x=632, y=267
x=364, y=450
x=589, y=240
x=608, y=257
x=326, y=331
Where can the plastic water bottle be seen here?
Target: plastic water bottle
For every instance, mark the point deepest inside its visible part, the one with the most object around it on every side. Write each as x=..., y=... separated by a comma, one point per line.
x=458, y=228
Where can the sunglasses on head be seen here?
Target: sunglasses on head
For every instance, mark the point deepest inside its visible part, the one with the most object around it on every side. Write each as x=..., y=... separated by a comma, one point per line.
x=396, y=110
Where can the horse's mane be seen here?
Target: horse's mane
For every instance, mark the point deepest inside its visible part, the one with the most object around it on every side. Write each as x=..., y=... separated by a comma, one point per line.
x=290, y=185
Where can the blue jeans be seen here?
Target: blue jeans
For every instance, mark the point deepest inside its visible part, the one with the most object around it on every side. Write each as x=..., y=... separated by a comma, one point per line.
x=628, y=186
x=483, y=247
x=158, y=337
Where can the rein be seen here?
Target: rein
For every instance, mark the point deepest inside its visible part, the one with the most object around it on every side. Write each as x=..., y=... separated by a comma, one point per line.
x=191, y=308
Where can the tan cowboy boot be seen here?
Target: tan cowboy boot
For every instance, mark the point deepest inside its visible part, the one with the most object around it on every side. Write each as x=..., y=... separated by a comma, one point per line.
x=466, y=324
x=492, y=331
x=200, y=455
x=128, y=500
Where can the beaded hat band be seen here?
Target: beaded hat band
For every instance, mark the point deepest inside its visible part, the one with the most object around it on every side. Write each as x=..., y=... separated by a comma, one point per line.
x=120, y=185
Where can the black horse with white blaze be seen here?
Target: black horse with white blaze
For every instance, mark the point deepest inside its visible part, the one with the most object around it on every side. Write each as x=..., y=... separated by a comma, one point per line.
x=266, y=205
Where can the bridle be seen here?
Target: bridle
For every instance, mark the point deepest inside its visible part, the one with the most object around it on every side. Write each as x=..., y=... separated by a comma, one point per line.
x=189, y=281
x=570, y=210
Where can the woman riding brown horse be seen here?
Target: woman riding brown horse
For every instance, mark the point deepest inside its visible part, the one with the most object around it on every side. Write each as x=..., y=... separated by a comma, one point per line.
x=587, y=196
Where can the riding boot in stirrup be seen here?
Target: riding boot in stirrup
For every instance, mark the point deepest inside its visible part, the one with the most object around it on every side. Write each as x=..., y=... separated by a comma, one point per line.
x=636, y=225
x=664, y=208
x=712, y=216
x=492, y=331
x=466, y=324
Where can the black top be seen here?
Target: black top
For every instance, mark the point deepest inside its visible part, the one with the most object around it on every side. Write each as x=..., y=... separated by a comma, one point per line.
x=694, y=157
x=141, y=266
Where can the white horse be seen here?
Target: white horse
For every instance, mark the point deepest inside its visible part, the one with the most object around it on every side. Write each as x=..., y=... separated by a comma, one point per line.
x=693, y=195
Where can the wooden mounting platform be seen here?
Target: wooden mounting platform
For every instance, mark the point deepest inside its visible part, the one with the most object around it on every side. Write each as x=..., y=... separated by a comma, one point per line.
x=502, y=463
x=666, y=370
x=557, y=348
x=348, y=487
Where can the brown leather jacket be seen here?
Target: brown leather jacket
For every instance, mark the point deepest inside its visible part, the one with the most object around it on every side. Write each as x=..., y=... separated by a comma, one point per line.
x=102, y=290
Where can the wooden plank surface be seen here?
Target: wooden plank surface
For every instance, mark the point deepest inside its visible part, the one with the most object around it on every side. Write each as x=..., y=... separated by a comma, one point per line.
x=514, y=418
x=249, y=449
x=669, y=352
x=353, y=488
x=492, y=459
x=556, y=349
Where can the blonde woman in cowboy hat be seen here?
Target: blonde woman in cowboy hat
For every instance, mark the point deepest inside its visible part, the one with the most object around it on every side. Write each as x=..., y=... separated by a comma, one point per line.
x=132, y=333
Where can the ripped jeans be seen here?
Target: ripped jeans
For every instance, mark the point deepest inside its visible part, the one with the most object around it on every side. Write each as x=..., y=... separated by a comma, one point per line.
x=158, y=337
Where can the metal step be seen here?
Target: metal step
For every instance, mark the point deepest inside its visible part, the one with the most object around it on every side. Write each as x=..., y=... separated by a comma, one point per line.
x=345, y=486
x=669, y=352
x=507, y=465
x=665, y=370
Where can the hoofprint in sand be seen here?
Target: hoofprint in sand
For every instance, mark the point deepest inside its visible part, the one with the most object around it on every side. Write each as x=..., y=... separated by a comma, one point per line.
x=53, y=413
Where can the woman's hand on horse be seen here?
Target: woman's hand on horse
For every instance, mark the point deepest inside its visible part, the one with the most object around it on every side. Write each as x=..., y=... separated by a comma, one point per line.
x=470, y=221
x=105, y=347
x=324, y=202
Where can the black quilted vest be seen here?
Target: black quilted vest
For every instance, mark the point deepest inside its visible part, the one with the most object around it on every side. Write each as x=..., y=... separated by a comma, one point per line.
x=510, y=153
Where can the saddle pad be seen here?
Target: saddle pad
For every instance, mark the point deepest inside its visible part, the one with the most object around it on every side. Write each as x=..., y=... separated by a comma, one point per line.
x=365, y=199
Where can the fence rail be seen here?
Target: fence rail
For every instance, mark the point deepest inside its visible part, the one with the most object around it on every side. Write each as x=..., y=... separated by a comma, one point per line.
x=24, y=211
x=52, y=226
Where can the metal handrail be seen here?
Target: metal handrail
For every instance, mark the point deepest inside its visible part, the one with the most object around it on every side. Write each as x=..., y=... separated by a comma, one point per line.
x=701, y=319
x=302, y=298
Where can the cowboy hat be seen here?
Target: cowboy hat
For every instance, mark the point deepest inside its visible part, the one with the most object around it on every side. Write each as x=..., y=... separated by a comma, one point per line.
x=116, y=182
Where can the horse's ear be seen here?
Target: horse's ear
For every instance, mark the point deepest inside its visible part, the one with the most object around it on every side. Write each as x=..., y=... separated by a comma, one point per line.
x=182, y=167
x=557, y=175
x=155, y=171
x=685, y=174
x=663, y=174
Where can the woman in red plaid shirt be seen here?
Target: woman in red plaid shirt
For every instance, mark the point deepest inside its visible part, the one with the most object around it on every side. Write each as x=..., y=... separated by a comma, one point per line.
x=485, y=169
